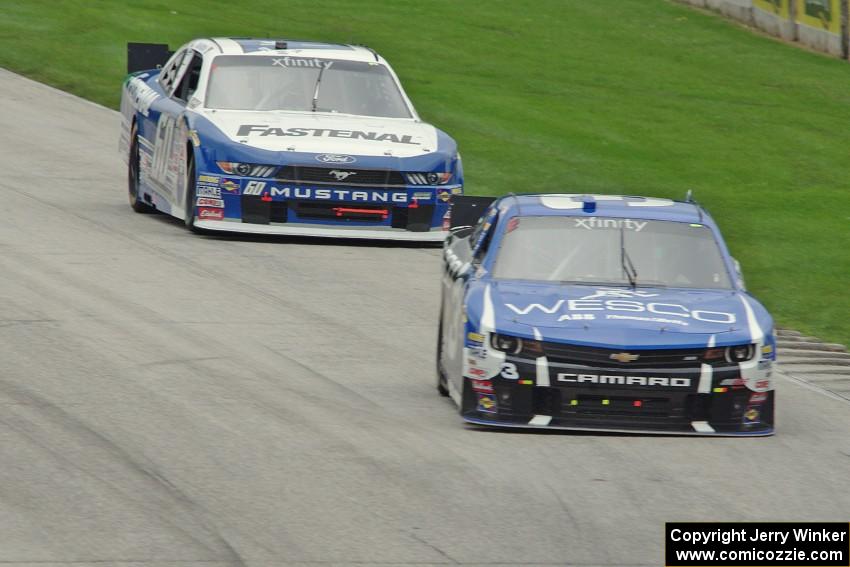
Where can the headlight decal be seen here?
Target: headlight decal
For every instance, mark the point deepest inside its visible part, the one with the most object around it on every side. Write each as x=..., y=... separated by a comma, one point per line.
x=429, y=178
x=247, y=169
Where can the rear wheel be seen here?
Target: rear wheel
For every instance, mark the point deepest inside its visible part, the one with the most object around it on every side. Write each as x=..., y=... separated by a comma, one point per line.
x=134, y=192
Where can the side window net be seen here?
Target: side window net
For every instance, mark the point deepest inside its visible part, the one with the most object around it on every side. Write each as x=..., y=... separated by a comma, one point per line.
x=166, y=76
x=484, y=234
x=189, y=82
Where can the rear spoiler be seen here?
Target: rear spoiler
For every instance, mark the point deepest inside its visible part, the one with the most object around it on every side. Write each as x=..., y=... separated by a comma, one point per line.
x=467, y=210
x=145, y=56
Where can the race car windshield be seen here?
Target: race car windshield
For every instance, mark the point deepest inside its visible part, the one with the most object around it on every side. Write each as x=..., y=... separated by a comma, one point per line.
x=240, y=82
x=591, y=250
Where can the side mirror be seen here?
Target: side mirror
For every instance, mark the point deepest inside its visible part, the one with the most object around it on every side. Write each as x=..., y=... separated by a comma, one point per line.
x=466, y=210
x=144, y=56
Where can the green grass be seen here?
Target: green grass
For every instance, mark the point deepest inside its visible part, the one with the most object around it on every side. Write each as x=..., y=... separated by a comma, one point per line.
x=615, y=96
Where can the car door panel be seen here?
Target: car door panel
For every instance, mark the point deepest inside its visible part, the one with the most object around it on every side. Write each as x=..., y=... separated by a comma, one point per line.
x=455, y=277
x=164, y=173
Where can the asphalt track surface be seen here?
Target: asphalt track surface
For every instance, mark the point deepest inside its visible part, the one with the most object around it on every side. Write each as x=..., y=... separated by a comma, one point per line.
x=172, y=399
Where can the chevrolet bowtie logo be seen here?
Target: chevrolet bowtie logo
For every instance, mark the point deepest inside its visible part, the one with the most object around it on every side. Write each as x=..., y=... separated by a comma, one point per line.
x=624, y=357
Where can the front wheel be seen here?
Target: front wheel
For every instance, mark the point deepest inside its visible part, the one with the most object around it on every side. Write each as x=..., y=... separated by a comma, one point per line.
x=442, y=382
x=189, y=216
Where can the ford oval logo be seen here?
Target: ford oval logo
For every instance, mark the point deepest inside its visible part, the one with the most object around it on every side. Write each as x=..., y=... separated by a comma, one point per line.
x=335, y=158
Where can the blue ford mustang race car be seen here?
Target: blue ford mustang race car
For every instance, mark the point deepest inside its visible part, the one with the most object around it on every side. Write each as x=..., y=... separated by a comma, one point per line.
x=283, y=137
x=602, y=312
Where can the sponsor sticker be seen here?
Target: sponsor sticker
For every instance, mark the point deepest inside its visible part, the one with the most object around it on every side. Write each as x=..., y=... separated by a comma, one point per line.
x=229, y=184
x=141, y=94
x=266, y=130
x=457, y=190
x=210, y=202
x=751, y=415
x=478, y=352
x=444, y=195
x=301, y=62
x=623, y=293
x=207, y=191
x=758, y=398
x=422, y=195
x=475, y=337
x=578, y=317
x=208, y=179
x=487, y=403
x=635, y=308
x=210, y=214
x=594, y=223
x=484, y=386
x=649, y=319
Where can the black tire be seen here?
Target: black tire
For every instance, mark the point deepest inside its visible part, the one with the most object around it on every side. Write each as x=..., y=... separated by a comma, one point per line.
x=136, y=203
x=189, y=217
x=442, y=382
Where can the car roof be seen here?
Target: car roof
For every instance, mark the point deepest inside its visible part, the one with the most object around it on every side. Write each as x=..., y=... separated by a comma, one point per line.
x=294, y=48
x=617, y=206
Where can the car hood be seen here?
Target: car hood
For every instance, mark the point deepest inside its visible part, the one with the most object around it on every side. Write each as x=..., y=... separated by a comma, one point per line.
x=624, y=317
x=325, y=133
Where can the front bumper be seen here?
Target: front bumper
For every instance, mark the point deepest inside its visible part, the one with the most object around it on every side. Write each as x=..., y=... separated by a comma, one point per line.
x=323, y=231
x=269, y=206
x=545, y=408
x=684, y=431
x=679, y=400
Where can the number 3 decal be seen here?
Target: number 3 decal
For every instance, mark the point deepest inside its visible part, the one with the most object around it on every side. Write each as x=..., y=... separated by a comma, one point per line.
x=509, y=371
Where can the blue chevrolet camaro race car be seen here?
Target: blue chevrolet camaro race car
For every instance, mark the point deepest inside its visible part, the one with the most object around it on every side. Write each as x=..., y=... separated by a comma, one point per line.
x=602, y=312
x=283, y=137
